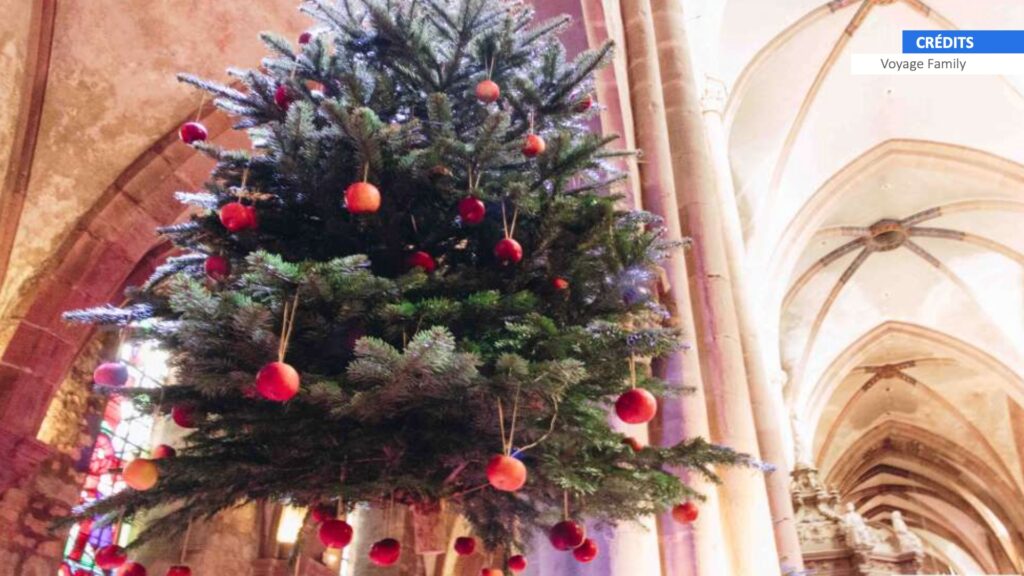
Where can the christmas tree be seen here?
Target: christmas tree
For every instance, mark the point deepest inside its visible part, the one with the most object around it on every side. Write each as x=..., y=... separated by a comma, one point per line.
x=417, y=287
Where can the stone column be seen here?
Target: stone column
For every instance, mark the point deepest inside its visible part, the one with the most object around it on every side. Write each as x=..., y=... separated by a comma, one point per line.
x=746, y=513
x=697, y=549
x=765, y=395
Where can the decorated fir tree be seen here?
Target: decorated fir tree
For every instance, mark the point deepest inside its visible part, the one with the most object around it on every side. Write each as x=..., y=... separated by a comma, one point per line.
x=417, y=287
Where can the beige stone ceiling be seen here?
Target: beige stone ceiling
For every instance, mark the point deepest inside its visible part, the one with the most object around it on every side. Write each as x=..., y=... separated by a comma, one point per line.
x=110, y=94
x=908, y=337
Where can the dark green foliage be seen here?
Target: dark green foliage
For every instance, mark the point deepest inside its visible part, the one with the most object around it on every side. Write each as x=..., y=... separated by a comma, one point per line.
x=403, y=372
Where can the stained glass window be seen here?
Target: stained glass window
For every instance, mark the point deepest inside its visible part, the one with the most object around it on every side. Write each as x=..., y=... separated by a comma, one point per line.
x=123, y=435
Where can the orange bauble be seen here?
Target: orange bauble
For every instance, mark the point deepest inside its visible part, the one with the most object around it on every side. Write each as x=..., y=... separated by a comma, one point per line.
x=141, y=474
x=636, y=406
x=488, y=91
x=560, y=284
x=164, y=451
x=362, y=198
x=277, y=382
x=685, y=513
x=491, y=572
x=534, y=146
x=506, y=473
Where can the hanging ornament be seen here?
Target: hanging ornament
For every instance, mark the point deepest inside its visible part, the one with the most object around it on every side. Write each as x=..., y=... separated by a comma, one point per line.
x=637, y=406
x=278, y=381
x=585, y=552
x=559, y=283
x=487, y=91
x=164, y=451
x=184, y=415
x=179, y=570
x=335, y=533
x=491, y=572
x=141, y=474
x=465, y=545
x=110, y=557
x=110, y=374
x=583, y=104
x=283, y=97
x=362, y=197
x=385, y=552
x=533, y=146
x=421, y=259
x=132, y=569
x=633, y=443
x=517, y=563
x=506, y=473
x=323, y=512
x=192, y=132
x=472, y=210
x=508, y=251
x=685, y=513
x=217, y=267
x=305, y=37
x=567, y=535
x=237, y=217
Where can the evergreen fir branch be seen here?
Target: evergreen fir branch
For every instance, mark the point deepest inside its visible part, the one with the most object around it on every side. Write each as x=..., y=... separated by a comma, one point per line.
x=110, y=315
x=172, y=266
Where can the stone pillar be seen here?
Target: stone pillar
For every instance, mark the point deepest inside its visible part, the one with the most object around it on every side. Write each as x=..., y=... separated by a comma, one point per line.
x=697, y=549
x=746, y=513
x=765, y=394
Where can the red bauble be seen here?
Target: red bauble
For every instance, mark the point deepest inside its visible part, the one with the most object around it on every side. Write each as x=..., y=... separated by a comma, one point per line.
x=110, y=374
x=217, y=267
x=323, y=513
x=184, y=415
x=278, y=382
x=567, y=535
x=236, y=217
x=110, y=557
x=385, y=552
x=685, y=513
x=132, y=569
x=506, y=473
x=192, y=132
x=305, y=37
x=517, y=563
x=633, y=443
x=534, y=146
x=560, y=283
x=472, y=210
x=487, y=91
x=508, y=251
x=584, y=104
x=491, y=572
x=335, y=533
x=362, y=198
x=283, y=97
x=465, y=545
x=179, y=571
x=636, y=406
x=422, y=260
x=164, y=451
x=585, y=552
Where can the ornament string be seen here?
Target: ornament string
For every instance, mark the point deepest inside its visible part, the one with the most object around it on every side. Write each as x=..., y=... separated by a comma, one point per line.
x=512, y=425
x=366, y=171
x=501, y=423
x=199, y=111
x=287, y=324
x=632, y=370
x=490, y=67
x=184, y=542
x=565, y=504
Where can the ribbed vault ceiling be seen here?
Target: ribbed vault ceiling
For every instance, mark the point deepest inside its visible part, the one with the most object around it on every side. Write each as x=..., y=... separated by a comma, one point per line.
x=883, y=216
